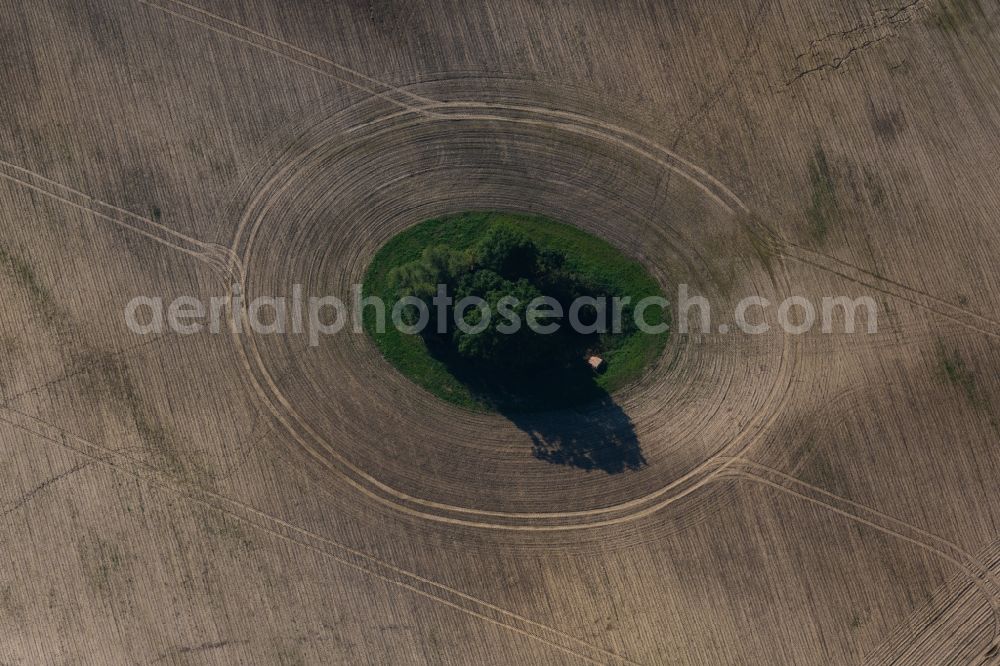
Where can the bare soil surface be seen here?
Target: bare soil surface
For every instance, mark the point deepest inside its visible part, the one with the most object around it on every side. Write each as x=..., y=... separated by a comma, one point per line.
x=824, y=498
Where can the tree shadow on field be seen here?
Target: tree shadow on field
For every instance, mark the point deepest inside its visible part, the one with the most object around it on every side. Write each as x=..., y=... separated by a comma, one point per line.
x=570, y=418
x=598, y=435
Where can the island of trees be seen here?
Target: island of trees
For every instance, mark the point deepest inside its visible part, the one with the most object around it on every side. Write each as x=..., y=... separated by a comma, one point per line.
x=536, y=300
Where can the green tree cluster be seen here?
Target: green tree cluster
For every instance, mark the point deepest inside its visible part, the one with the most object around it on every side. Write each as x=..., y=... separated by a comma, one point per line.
x=507, y=270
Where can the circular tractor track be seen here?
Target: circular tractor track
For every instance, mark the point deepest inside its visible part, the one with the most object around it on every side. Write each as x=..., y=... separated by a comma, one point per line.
x=353, y=178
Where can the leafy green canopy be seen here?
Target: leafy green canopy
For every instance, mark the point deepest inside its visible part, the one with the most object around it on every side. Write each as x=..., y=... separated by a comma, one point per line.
x=507, y=270
x=433, y=362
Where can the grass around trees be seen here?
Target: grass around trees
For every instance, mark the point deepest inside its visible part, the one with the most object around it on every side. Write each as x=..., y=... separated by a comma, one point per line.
x=491, y=255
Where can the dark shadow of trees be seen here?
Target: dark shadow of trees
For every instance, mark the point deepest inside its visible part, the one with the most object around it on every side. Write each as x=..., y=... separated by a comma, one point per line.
x=571, y=420
x=598, y=435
